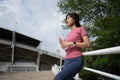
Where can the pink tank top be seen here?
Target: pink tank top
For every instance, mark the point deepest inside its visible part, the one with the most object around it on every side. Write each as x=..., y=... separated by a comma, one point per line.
x=75, y=36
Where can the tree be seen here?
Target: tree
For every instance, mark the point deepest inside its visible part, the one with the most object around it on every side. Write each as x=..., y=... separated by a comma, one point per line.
x=103, y=17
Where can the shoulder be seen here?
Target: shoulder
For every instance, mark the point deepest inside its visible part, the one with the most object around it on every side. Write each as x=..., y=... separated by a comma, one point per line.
x=81, y=28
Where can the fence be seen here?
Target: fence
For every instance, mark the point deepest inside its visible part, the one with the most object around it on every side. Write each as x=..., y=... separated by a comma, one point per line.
x=113, y=50
x=22, y=68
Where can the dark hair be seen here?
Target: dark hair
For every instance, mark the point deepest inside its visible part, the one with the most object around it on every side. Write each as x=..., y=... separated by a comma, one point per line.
x=75, y=16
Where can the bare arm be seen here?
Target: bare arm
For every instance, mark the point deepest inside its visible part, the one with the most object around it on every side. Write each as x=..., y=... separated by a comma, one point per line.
x=84, y=44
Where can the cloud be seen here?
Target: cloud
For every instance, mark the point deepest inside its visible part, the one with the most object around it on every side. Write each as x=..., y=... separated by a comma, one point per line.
x=35, y=18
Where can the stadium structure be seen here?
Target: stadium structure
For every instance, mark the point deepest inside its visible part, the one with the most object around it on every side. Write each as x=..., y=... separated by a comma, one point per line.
x=19, y=52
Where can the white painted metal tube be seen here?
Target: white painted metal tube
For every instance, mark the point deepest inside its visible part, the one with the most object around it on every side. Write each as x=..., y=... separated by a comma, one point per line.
x=113, y=50
x=103, y=73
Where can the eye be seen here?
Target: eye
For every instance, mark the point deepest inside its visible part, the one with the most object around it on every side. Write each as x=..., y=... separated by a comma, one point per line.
x=68, y=17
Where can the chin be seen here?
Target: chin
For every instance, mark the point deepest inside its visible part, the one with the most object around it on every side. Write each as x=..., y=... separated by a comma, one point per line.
x=68, y=25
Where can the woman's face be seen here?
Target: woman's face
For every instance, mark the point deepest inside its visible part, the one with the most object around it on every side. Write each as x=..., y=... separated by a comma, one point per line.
x=70, y=21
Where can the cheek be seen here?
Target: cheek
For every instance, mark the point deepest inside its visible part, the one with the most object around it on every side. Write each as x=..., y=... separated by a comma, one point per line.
x=70, y=21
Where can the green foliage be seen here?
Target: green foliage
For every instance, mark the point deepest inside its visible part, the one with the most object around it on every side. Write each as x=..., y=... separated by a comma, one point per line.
x=108, y=32
x=90, y=75
x=102, y=19
x=87, y=9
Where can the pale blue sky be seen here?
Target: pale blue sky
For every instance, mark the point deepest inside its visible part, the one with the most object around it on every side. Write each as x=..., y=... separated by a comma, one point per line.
x=38, y=19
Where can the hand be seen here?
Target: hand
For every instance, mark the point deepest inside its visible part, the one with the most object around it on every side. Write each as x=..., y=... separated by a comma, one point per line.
x=62, y=43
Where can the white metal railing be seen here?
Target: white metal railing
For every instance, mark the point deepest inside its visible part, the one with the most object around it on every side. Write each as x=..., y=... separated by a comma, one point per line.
x=103, y=73
x=56, y=69
x=113, y=50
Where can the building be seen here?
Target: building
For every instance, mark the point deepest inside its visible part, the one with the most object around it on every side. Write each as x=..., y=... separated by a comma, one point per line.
x=19, y=52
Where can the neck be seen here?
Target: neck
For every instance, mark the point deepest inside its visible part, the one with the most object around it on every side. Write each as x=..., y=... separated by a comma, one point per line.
x=73, y=27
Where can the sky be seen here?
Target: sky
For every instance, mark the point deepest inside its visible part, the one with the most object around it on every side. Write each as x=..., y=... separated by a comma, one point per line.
x=38, y=19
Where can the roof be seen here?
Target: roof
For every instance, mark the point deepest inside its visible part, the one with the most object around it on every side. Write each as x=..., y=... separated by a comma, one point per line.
x=20, y=38
x=25, y=49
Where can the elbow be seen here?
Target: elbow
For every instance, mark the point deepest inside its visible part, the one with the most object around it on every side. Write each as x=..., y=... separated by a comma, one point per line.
x=88, y=45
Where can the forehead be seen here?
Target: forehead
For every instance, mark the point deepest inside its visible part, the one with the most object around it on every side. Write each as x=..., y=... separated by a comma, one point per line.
x=68, y=16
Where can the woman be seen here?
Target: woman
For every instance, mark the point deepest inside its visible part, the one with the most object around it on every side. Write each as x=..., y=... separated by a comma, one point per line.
x=76, y=39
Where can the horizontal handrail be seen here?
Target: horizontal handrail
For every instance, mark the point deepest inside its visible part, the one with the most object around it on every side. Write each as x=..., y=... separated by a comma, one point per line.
x=103, y=73
x=113, y=50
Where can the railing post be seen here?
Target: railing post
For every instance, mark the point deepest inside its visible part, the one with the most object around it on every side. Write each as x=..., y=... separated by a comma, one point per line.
x=113, y=50
x=76, y=76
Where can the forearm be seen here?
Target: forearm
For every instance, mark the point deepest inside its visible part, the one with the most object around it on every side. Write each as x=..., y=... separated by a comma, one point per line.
x=78, y=44
x=85, y=43
x=68, y=44
x=82, y=44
